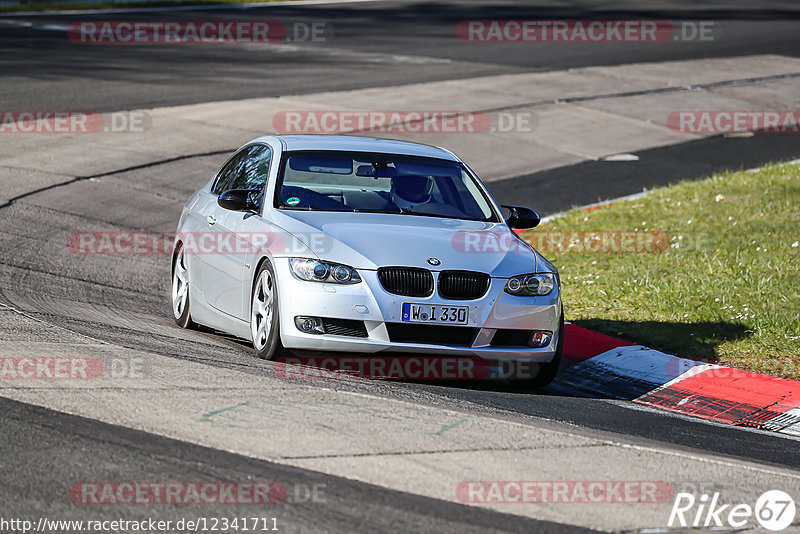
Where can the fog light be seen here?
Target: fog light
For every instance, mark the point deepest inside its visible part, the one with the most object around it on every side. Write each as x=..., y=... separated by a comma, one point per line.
x=309, y=325
x=540, y=338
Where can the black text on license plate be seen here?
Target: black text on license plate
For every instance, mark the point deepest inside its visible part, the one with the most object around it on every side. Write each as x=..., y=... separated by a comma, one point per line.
x=425, y=313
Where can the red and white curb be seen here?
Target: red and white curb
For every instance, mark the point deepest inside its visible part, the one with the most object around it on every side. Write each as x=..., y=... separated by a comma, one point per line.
x=600, y=365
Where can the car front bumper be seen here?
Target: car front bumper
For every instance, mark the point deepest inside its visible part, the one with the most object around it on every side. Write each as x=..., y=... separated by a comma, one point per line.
x=367, y=301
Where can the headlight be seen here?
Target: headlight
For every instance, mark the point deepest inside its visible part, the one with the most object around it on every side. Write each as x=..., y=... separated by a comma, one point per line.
x=323, y=271
x=529, y=285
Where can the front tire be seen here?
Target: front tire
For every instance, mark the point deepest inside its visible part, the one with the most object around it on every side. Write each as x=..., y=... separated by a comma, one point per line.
x=264, y=321
x=180, y=290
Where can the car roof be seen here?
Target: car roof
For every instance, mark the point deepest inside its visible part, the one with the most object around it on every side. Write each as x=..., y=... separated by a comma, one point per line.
x=356, y=143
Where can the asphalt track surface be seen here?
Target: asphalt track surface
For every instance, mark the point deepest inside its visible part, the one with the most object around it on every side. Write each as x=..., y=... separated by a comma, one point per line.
x=42, y=450
x=373, y=44
x=344, y=506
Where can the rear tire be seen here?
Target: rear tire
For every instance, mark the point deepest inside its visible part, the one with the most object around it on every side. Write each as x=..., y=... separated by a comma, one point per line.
x=181, y=309
x=264, y=321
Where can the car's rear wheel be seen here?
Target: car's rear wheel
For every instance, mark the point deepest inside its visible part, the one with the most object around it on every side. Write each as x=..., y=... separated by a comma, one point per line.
x=264, y=321
x=547, y=371
x=180, y=290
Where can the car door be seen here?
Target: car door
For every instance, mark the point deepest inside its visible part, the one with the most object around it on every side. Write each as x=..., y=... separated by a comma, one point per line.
x=230, y=231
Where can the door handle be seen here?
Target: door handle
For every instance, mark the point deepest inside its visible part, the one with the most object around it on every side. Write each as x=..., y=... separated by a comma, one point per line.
x=211, y=220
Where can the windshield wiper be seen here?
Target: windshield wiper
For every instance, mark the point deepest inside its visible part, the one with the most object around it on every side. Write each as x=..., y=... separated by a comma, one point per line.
x=360, y=210
x=438, y=216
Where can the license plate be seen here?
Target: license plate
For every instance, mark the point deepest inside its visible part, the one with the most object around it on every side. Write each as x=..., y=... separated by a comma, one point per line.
x=435, y=314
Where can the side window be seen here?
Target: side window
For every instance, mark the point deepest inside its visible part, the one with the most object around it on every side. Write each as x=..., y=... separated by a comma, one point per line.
x=247, y=170
x=227, y=174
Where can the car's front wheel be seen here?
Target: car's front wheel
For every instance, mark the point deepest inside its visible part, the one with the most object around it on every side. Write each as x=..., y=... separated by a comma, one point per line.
x=264, y=322
x=180, y=290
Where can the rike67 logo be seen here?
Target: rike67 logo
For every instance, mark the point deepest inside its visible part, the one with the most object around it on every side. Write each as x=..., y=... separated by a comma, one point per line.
x=774, y=510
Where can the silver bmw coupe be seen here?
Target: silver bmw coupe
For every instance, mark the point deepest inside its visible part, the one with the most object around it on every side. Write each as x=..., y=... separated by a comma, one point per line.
x=362, y=245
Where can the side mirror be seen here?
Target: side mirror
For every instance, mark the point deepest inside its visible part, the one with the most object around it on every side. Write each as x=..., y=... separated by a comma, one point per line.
x=522, y=217
x=237, y=200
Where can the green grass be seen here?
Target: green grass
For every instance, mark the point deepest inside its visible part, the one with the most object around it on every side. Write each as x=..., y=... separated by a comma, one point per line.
x=726, y=289
x=63, y=6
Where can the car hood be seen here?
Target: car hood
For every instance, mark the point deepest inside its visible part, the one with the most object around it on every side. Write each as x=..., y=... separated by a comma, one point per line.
x=369, y=241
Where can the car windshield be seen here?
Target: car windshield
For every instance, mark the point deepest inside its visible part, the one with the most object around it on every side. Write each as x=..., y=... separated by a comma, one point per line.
x=380, y=183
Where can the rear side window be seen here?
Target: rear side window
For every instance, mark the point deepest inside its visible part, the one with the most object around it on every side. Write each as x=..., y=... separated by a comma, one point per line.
x=248, y=169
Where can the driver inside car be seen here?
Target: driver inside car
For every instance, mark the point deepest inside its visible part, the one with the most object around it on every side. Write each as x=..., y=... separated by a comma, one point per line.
x=409, y=191
x=413, y=193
